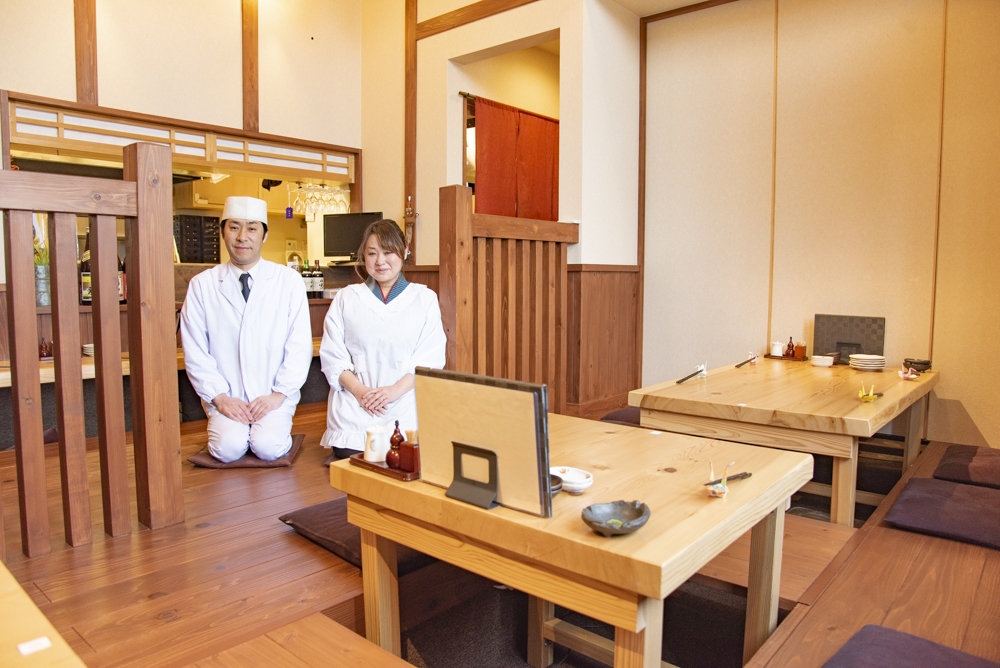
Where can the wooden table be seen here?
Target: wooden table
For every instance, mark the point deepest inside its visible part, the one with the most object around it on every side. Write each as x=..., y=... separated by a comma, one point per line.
x=23, y=622
x=621, y=581
x=934, y=588
x=792, y=406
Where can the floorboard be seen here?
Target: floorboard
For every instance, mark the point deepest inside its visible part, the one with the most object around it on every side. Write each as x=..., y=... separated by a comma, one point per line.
x=189, y=593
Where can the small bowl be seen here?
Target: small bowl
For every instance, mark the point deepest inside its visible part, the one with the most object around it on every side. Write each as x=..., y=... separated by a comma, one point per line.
x=616, y=518
x=919, y=365
x=835, y=355
x=555, y=482
x=822, y=360
x=574, y=480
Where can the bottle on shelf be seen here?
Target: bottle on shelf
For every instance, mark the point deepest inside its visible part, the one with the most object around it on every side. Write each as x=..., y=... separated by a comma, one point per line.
x=122, y=286
x=306, y=277
x=317, y=281
x=86, y=289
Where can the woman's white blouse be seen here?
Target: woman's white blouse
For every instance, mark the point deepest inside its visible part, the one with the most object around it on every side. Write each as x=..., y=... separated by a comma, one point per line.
x=380, y=343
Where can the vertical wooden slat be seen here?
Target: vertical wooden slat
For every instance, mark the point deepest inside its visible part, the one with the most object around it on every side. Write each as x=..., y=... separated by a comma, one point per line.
x=251, y=90
x=455, y=275
x=153, y=352
x=550, y=324
x=69, y=378
x=481, y=336
x=4, y=130
x=524, y=309
x=85, y=39
x=562, y=298
x=537, y=339
x=25, y=391
x=410, y=111
x=108, y=377
x=496, y=288
x=510, y=302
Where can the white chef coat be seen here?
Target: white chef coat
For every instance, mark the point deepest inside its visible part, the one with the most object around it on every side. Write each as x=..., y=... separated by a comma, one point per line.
x=247, y=349
x=380, y=343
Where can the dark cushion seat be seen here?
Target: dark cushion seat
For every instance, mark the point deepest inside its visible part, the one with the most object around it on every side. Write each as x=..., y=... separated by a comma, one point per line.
x=249, y=461
x=326, y=525
x=628, y=416
x=876, y=646
x=964, y=513
x=970, y=465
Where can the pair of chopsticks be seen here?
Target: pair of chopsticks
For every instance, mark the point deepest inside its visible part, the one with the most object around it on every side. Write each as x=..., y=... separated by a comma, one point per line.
x=729, y=479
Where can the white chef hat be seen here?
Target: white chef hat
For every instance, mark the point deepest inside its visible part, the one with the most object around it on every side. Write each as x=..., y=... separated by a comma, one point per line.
x=247, y=208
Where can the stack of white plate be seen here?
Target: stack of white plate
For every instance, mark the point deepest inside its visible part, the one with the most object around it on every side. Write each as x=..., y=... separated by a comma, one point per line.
x=88, y=349
x=868, y=362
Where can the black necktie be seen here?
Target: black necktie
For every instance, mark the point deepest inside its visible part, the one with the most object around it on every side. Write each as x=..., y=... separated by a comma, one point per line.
x=245, y=282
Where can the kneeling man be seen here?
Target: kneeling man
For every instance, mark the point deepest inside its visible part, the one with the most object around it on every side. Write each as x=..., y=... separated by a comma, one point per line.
x=247, y=340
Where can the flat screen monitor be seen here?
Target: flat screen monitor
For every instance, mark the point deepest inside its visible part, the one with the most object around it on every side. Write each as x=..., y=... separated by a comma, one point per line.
x=507, y=417
x=342, y=234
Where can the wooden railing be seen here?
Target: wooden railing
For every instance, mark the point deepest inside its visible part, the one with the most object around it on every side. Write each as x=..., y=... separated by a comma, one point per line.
x=143, y=198
x=503, y=294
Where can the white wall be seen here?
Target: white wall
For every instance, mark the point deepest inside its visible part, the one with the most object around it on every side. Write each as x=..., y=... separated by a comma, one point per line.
x=526, y=79
x=37, y=48
x=382, y=88
x=598, y=138
x=310, y=69
x=710, y=78
x=179, y=59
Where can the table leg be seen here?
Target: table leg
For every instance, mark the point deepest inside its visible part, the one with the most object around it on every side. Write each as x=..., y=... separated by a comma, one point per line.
x=914, y=425
x=845, y=478
x=765, y=578
x=642, y=649
x=378, y=574
x=539, y=649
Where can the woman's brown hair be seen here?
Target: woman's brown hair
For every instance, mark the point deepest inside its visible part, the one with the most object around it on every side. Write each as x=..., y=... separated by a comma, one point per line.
x=389, y=237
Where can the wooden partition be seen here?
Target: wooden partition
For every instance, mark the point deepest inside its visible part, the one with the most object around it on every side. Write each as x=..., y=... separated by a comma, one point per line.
x=144, y=200
x=503, y=294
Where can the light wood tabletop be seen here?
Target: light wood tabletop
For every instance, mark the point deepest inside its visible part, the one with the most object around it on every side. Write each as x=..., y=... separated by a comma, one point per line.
x=621, y=581
x=26, y=636
x=793, y=406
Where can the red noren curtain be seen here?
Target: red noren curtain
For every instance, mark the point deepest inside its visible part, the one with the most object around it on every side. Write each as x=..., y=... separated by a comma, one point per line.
x=517, y=162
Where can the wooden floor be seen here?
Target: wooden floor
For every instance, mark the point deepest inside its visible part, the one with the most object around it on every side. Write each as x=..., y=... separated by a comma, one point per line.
x=232, y=572
x=229, y=573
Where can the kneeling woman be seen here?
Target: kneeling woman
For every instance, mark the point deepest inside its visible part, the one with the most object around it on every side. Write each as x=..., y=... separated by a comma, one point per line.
x=374, y=336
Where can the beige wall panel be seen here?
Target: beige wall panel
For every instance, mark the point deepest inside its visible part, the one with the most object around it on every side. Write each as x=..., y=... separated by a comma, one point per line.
x=382, y=89
x=179, y=59
x=859, y=104
x=310, y=69
x=527, y=79
x=709, y=102
x=967, y=320
x=37, y=48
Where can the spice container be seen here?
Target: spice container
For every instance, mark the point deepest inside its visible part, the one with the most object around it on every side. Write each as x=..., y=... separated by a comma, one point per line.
x=409, y=452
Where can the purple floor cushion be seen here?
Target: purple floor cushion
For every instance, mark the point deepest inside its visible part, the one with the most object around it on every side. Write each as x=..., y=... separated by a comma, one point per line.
x=964, y=513
x=970, y=465
x=878, y=647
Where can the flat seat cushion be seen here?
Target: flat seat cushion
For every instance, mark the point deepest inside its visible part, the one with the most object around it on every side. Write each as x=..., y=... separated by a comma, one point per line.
x=949, y=510
x=876, y=646
x=628, y=417
x=249, y=460
x=970, y=465
x=326, y=525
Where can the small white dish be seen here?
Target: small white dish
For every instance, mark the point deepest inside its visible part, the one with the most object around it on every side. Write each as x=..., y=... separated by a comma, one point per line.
x=822, y=360
x=574, y=480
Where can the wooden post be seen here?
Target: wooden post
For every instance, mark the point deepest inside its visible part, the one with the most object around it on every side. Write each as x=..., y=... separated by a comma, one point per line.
x=108, y=376
x=766, y=539
x=540, y=650
x=69, y=379
x=25, y=390
x=152, y=347
x=381, y=586
x=455, y=275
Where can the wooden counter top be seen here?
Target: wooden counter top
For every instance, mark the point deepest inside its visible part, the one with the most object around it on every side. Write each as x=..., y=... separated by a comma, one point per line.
x=47, y=372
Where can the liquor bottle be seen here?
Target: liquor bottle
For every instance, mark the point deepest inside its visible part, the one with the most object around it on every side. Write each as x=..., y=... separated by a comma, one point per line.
x=122, y=286
x=317, y=281
x=306, y=277
x=86, y=290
